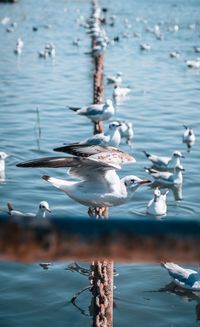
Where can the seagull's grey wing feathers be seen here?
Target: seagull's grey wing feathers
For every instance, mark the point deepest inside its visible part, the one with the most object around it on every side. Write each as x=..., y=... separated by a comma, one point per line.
x=84, y=168
x=50, y=162
x=106, y=154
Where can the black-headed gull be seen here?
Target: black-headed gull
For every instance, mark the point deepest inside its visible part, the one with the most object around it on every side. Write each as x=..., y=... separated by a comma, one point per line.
x=145, y=47
x=95, y=166
x=193, y=63
x=3, y=156
x=19, y=46
x=165, y=162
x=126, y=130
x=175, y=54
x=185, y=278
x=41, y=213
x=167, y=178
x=50, y=50
x=188, y=136
x=158, y=206
x=110, y=138
x=120, y=92
x=96, y=112
x=197, y=49
x=117, y=79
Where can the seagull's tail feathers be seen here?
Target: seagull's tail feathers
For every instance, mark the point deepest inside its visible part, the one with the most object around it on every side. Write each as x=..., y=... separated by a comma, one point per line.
x=10, y=207
x=146, y=153
x=58, y=183
x=74, y=108
x=150, y=170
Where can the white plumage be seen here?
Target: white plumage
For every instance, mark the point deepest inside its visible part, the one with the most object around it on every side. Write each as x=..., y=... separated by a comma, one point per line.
x=96, y=112
x=41, y=213
x=167, y=178
x=165, y=162
x=95, y=166
x=185, y=278
x=157, y=206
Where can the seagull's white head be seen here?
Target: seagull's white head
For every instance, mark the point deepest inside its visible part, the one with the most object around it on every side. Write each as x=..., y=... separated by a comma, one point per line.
x=132, y=182
x=157, y=192
x=179, y=168
x=108, y=102
x=114, y=125
x=3, y=155
x=44, y=206
x=178, y=154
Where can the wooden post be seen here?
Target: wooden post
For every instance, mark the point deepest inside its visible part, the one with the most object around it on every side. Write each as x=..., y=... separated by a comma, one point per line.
x=101, y=272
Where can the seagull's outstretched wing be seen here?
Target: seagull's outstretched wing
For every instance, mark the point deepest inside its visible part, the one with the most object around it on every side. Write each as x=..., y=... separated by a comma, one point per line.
x=59, y=162
x=50, y=162
x=106, y=154
x=83, y=168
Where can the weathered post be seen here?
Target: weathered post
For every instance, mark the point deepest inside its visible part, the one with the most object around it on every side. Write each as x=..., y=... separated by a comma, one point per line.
x=101, y=272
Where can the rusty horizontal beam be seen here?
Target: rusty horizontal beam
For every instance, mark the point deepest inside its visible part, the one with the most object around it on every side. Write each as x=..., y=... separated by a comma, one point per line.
x=122, y=240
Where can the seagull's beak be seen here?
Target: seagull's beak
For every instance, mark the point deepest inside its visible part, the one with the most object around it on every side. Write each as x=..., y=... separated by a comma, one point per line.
x=48, y=209
x=182, y=156
x=144, y=181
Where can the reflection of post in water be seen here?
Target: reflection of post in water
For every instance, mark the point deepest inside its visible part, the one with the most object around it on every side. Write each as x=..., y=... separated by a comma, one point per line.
x=38, y=130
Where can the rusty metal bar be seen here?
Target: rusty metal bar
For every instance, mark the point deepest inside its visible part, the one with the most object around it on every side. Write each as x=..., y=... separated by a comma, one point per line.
x=31, y=240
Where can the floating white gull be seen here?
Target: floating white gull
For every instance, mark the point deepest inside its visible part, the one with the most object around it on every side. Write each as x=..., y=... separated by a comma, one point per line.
x=3, y=156
x=20, y=43
x=50, y=50
x=96, y=112
x=174, y=28
x=126, y=130
x=41, y=213
x=95, y=166
x=119, y=91
x=111, y=138
x=197, y=49
x=76, y=42
x=157, y=206
x=194, y=63
x=43, y=54
x=19, y=46
x=185, y=278
x=167, y=178
x=117, y=79
x=145, y=47
x=175, y=54
x=165, y=162
x=188, y=136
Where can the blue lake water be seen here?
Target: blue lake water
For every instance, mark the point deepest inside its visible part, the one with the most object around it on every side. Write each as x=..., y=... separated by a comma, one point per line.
x=164, y=96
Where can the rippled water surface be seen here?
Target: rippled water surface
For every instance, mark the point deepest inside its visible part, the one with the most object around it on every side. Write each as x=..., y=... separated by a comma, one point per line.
x=165, y=95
